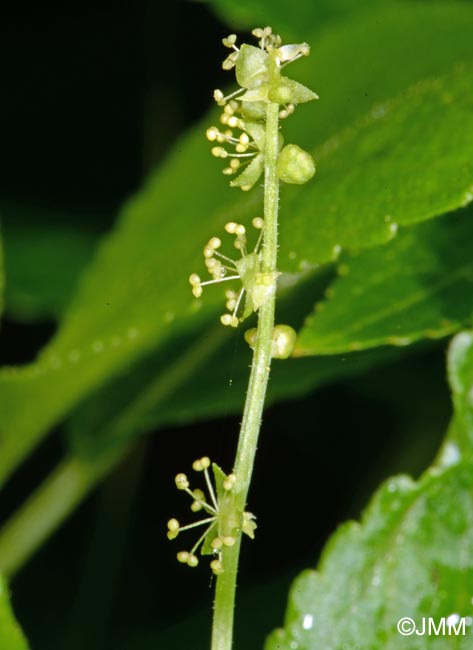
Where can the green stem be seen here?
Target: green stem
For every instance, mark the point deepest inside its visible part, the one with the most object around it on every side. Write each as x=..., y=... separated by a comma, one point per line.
x=224, y=604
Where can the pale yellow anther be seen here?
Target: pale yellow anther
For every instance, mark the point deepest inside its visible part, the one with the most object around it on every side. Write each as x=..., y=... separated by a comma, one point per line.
x=230, y=227
x=240, y=229
x=228, y=540
x=199, y=497
x=235, y=122
x=258, y=32
x=192, y=560
x=201, y=463
x=229, y=482
x=173, y=529
x=217, y=567
x=212, y=133
x=219, y=96
x=210, y=261
x=230, y=40
x=194, y=279
x=173, y=524
x=244, y=138
x=219, y=152
x=229, y=293
x=217, y=271
x=182, y=557
x=215, y=242
x=258, y=223
x=181, y=482
x=229, y=63
x=229, y=109
x=224, y=118
x=197, y=291
x=228, y=171
x=216, y=543
x=228, y=319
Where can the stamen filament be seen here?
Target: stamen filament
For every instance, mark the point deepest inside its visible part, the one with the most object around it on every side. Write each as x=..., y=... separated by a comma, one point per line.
x=198, y=523
x=202, y=537
x=240, y=296
x=230, y=277
x=234, y=94
x=204, y=504
x=242, y=155
x=224, y=257
x=210, y=488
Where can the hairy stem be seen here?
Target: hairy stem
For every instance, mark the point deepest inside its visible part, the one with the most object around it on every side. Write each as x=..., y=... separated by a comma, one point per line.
x=222, y=631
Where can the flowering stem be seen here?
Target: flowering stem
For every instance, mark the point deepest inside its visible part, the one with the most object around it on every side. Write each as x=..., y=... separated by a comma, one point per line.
x=222, y=631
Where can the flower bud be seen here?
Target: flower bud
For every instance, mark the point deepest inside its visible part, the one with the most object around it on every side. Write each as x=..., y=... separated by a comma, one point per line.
x=283, y=341
x=295, y=165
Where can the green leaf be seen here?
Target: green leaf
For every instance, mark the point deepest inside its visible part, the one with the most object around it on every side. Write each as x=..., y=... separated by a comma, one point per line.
x=411, y=289
x=460, y=374
x=11, y=637
x=406, y=162
x=45, y=253
x=411, y=556
x=374, y=57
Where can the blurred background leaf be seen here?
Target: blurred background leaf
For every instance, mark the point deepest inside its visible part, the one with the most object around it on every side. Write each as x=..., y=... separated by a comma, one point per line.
x=2, y=275
x=247, y=14
x=45, y=253
x=11, y=637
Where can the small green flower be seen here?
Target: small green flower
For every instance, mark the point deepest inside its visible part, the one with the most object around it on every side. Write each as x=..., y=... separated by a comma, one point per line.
x=223, y=522
x=257, y=285
x=295, y=165
x=283, y=340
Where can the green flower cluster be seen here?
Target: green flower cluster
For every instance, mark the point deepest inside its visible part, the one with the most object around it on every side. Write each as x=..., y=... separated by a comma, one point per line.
x=259, y=74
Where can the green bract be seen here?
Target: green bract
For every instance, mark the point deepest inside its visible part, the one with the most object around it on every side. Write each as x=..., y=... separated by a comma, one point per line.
x=251, y=67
